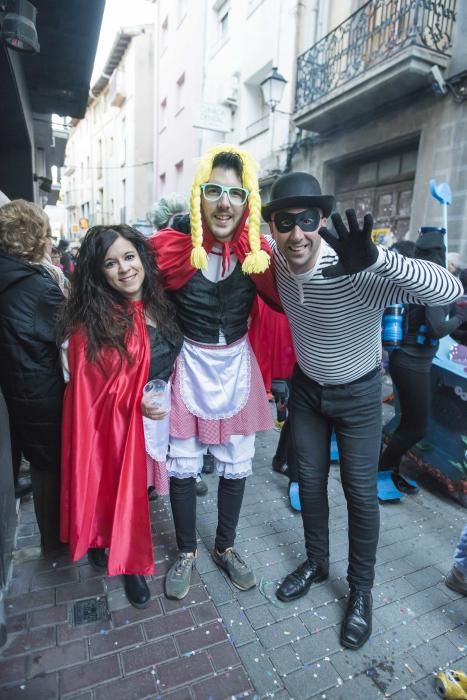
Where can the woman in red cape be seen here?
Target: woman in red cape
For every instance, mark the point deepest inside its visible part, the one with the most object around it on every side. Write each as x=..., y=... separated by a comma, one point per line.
x=119, y=331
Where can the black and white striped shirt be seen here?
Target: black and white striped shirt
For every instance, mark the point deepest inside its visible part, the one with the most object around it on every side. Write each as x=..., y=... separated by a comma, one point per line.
x=336, y=323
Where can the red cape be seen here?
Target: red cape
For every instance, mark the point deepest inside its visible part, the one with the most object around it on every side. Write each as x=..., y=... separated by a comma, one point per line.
x=173, y=251
x=272, y=343
x=104, y=499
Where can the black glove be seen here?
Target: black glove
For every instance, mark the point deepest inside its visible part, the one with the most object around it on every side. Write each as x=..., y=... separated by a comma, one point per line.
x=354, y=247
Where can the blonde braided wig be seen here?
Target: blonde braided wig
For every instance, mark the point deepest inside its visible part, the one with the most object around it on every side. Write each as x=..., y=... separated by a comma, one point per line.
x=256, y=260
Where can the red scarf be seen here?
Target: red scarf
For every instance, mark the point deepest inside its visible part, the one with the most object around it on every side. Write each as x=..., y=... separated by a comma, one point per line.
x=104, y=499
x=173, y=253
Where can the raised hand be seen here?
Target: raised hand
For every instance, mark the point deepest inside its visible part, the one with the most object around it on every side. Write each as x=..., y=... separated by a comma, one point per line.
x=354, y=247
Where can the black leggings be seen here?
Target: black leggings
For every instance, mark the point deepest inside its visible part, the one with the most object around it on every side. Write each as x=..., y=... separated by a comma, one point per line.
x=413, y=390
x=183, y=502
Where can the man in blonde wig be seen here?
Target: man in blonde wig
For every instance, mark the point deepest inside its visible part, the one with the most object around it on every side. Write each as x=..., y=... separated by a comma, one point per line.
x=218, y=396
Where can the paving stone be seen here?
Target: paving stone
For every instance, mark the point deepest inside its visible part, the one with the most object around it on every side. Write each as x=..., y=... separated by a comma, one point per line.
x=90, y=673
x=44, y=688
x=67, y=633
x=111, y=641
x=56, y=577
x=148, y=655
x=390, y=673
x=48, y=616
x=260, y=616
x=12, y=670
x=168, y=624
x=181, y=694
x=262, y=674
x=310, y=681
x=197, y=639
x=196, y=594
x=205, y=612
x=437, y=654
x=129, y=614
x=406, y=694
x=435, y=623
x=318, y=645
x=77, y=591
x=392, y=570
x=390, y=591
x=237, y=623
x=424, y=578
x=285, y=659
x=423, y=601
x=58, y=657
x=361, y=687
x=227, y=685
x=174, y=673
x=223, y=656
x=17, y=623
x=323, y=616
x=30, y=641
x=281, y=633
x=138, y=685
x=31, y=601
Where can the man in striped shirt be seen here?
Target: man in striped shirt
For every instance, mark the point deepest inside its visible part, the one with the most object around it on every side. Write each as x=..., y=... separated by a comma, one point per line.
x=334, y=289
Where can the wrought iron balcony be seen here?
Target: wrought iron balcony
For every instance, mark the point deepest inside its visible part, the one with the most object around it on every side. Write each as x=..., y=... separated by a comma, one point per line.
x=388, y=44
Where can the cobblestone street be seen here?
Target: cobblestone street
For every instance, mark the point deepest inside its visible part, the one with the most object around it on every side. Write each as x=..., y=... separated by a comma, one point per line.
x=220, y=642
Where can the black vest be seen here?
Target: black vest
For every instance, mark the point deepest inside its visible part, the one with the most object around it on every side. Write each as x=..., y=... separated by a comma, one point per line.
x=204, y=308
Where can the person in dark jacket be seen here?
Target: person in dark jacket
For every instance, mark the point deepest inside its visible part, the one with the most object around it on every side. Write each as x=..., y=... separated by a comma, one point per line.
x=410, y=365
x=30, y=371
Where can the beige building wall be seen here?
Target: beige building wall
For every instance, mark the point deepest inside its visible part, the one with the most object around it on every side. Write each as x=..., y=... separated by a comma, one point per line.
x=109, y=158
x=178, y=81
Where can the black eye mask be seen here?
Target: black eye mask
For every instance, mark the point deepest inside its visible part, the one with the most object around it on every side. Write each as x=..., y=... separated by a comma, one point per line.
x=307, y=220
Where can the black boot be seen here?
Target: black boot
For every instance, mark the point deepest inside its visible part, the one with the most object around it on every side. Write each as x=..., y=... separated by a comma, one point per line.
x=136, y=590
x=98, y=559
x=299, y=581
x=356, y=626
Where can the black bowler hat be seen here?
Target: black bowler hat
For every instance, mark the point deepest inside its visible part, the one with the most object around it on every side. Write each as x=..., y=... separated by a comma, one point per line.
x=297, y=190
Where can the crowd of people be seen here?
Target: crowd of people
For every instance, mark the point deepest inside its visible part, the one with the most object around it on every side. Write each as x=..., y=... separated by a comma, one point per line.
x=194, y=306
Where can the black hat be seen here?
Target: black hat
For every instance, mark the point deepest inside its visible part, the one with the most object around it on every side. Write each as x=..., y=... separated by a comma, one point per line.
x=431, y=237
x=297, y=190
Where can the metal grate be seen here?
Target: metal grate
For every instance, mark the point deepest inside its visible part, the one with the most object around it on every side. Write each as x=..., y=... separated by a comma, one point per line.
x=90, y=610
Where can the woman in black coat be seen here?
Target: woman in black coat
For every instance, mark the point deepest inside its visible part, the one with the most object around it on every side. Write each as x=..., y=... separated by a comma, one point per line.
x=31, y=295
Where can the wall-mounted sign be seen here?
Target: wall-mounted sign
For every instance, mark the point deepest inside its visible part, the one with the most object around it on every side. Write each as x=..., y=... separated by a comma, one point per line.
x=214, y=117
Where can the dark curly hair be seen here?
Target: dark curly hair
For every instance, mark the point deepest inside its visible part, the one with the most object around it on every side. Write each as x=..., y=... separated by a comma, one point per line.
x=102, y=311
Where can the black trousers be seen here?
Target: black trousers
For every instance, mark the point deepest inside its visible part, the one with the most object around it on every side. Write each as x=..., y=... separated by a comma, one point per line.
x=354, y=411
x=284, y=452
x=414, y=393
x=183, y=502
x=46, y=496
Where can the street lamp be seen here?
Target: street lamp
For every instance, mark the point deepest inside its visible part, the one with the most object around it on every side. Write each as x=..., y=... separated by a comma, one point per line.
x=272, y=88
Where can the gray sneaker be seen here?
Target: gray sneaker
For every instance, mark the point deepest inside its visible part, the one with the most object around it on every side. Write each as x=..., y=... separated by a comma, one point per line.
x=456, y=581
x=178, y=577
x=237, y=569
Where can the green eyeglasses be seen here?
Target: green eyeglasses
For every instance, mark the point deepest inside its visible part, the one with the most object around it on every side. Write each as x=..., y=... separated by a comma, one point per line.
x=212, y=192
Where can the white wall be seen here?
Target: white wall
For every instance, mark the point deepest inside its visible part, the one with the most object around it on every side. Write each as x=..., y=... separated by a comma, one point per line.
x=111, y=149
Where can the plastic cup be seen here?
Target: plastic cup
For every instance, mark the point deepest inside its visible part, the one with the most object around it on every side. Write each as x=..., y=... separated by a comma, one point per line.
x=158, y=393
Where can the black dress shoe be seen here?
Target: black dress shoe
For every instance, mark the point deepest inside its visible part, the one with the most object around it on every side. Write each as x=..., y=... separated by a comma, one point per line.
x=356, y=627
x=299, y=581
x=136, y=590
x=98, y=559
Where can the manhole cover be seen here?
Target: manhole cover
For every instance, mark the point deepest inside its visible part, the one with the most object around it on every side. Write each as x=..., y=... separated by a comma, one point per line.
x=90, y=610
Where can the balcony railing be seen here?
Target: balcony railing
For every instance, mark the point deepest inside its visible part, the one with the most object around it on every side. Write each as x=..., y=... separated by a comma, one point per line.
x=377, y=31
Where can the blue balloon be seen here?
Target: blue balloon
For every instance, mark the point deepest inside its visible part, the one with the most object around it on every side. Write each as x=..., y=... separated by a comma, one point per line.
x=442, y=192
